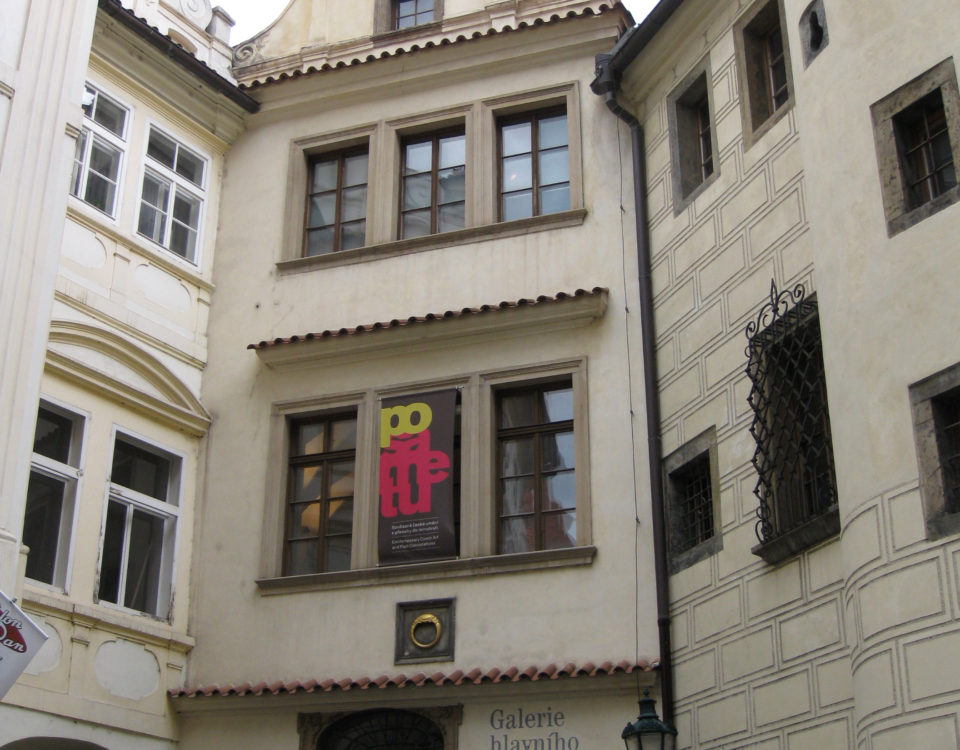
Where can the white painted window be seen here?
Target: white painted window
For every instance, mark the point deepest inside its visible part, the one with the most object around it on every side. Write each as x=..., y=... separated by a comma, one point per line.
x=98, y=158
x=171, y=196
x=139, y=531
x=52, y=493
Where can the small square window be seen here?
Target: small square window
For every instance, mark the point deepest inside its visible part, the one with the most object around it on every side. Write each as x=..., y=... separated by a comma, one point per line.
x=692, y=507
x=534, y=164
x=693, y=136
x=917, y=134
x=766, y=79
x=409, y=13
x=336, y=202
x=433, y=183
x=935, y=403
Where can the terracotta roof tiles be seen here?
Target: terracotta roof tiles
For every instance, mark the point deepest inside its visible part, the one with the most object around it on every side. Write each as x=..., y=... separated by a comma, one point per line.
x=456, y=678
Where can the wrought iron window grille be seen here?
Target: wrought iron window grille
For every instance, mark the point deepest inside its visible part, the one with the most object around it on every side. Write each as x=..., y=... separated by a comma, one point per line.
x=791, y=425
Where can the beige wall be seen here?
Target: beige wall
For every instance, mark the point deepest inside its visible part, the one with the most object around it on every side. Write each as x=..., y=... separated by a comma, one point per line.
x=831, y=648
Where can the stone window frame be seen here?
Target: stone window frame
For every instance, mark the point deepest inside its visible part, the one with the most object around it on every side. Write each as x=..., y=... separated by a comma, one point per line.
x=703, y=444
x=481, y=223
x=477, y=481
x=311, y=726
x=923, y=394
x=942, y=76
x=752, y=81
x=685, y=160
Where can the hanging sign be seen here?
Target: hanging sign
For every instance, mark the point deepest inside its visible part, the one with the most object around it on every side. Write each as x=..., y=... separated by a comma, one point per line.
x=416, y=477
x=20, y=639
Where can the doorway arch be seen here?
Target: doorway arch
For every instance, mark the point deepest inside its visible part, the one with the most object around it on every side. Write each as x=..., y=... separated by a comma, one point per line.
x=382, y=729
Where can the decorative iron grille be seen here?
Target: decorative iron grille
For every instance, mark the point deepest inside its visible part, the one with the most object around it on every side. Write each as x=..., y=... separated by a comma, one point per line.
x=693, y=491
x=385, y=729
x=791, y=425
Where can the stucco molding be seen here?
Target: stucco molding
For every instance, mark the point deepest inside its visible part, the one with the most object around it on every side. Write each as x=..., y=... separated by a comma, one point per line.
x=175, y=406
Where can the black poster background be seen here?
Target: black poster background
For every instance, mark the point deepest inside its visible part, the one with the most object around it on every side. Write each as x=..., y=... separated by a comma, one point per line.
x=416, y=470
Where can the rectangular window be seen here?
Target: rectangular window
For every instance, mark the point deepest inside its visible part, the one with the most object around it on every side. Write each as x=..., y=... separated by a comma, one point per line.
x=337, y=202
x=946, y=418
x=764, y=61
x=536, y=484
x=691, y=498
x=136, y=559
x=322, y=470
x=171, y=195
x=797, y=484
x=51, y=493
x=917, y=133
x=692, y=134
x=534, y=163
x=433, y=183
x=408, y=13
x=924, y=146
x=96, y=162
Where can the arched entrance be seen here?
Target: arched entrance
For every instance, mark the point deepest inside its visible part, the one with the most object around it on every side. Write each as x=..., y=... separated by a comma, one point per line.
x=50, y=743
x=382, y=729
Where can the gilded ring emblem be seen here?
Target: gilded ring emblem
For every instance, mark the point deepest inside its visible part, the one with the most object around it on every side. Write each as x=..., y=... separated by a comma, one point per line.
x=426, y=619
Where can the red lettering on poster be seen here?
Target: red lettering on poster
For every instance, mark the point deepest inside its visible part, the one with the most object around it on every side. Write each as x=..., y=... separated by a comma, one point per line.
x=408, y=469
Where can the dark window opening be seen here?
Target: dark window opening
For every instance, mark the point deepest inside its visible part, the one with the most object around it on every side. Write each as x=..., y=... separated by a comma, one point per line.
x=337, y=202
x=433, y=184
x=692, y=511
x=946, y=418
x=926, y=156
x=381, y=729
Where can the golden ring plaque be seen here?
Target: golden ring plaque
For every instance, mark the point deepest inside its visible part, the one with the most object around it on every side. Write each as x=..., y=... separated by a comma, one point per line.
x=426, y=619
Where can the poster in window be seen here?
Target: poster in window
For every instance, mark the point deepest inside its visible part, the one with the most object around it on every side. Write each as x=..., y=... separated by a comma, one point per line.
x=416, y=477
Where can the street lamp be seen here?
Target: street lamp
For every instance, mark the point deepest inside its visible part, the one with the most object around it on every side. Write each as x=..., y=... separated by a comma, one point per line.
x=648, y=732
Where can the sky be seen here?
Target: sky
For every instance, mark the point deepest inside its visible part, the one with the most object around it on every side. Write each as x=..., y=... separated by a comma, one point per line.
x=254, y=15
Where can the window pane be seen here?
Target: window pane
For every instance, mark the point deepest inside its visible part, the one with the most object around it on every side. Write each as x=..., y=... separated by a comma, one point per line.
x=416, y=191
x=407, y=7
x=305, y=519
x=560, y=491
x=99, y=192
x=52, y=436
x=320, y=241
x=452, y=151
x=555, y=199
x=450, y=217
x=41, y=525
x=340, y=517
x=308, y=483
x=424, y=6
x=518, y=409
x=518, y=205
x=341, y=479
x=89, y=98
x=353, y=235
x=151, y=223
x=554, y=167
x=517, y=173
x=156, y=192
x=190, y=166
x=942, y=153
x=560, y=530
x=418, y=157
x=355, y=170
x=324, y=175
x=558, y=404
x=557, y=451
x=323, y=210
x=183, y=240
x=338, y=554
x=302, y=557
x=518, y=496
x=161, y=148
x=79, y=155
x=309, y=438
x=186, y=209
x=516, y=457
x=553, y=132
x=405, y=22
x=109, y=115
x=354, y=204
x=416, y=224
x=112, y=553
x=143, y=562
x=140, y=470
x=450, y=185
x=515, y=139
x=517, y=535
x=344, y=435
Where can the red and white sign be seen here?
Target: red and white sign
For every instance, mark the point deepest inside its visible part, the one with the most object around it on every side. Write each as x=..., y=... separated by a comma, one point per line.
x=20, y=640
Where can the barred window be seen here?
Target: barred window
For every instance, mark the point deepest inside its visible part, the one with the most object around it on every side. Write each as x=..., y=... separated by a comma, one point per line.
x=791, y=425
x=946, y=418
x=693, y=521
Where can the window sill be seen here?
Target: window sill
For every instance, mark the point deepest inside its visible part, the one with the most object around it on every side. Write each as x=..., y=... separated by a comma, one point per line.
x=692, y=556
x=803, y=537
x=897, y=224
x=431, y=571
x=574, y=217
x=411, y=32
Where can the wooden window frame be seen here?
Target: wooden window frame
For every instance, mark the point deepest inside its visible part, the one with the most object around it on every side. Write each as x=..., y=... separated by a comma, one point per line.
x=322, y=459
x=416, y=14
x=434, y=137
x=537, y=430
x=341, y=155
x=533, y=117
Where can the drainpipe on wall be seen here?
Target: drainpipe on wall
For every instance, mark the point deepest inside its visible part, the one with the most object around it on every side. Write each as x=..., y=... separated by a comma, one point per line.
x=606, y=84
